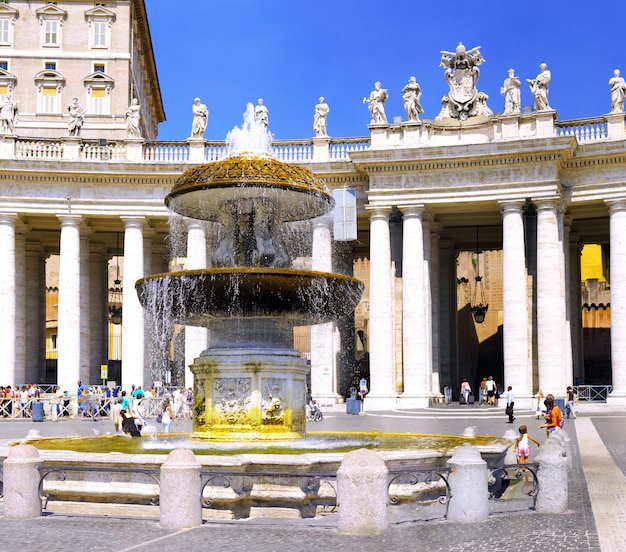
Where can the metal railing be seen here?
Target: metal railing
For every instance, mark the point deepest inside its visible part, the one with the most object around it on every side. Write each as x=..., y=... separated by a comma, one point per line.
x=597, y=393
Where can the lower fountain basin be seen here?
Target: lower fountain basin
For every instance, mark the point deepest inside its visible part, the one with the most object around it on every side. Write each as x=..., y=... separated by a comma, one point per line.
x=302, y=297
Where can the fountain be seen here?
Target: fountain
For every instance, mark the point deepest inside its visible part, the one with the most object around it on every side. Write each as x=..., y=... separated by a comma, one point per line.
x=249, y=406
x=250, y=382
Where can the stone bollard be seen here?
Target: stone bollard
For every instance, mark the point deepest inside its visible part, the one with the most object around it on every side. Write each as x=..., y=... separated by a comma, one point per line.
x=563, y=438
x=511, y=456
x=180, y=503
x=469, y=492
x=552, y=478
x=21, y=483
x=362, y=493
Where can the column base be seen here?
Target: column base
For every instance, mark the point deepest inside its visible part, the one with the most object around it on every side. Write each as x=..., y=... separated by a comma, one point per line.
x=616, y=398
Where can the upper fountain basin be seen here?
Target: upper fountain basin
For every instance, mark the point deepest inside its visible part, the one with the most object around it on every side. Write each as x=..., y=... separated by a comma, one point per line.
x=295, y=191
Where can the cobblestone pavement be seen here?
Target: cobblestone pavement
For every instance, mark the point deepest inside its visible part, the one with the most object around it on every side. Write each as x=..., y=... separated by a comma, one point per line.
x=523, y=531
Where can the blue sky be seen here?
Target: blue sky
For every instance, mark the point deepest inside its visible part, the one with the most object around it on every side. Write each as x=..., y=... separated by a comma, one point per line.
x=291, y=52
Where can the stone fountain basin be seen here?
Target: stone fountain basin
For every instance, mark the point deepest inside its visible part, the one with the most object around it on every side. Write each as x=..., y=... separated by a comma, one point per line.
x=301, y=296
x=300, y=482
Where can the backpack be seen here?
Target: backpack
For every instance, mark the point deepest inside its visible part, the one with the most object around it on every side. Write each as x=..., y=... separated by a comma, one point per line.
x=159, y=417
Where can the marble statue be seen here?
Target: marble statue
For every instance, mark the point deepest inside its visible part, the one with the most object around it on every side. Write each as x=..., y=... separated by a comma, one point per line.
x=539, y=88
x=133, y=118
x=618, y=91
x=8, y=113
x=261, y=114
x=319, y=119
x=376, y=103
x=511, y=92
x=200, y=119
x=411, y=94
x=461, y=73
x=77, y=117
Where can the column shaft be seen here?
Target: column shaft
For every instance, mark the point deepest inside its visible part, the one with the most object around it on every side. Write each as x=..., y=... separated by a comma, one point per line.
x=617, y=221
x=517, y=365
x=7, y=299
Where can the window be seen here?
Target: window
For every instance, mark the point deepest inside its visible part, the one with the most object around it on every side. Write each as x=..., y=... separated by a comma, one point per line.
x=98, y=68
x=5, y=30
x=100, y=20
x=99, y=101
x=51, y=32
x=51, y=65
x=99, y=34
x=50, y=100
x=4, y=65
x=8, y=15
x=51, y=19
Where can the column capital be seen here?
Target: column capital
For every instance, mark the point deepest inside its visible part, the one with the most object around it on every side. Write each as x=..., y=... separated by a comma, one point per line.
x=379, y=213
x=9, y=218
x=615, y=205
x=323, y=221
x=134, y=222
x=507, y=206
x=548, y=204
x=195, y=224
x=68, y=219
x=412, y=211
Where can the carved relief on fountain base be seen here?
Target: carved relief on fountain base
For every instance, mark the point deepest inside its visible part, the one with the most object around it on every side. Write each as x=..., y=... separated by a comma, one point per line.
x=250, y=394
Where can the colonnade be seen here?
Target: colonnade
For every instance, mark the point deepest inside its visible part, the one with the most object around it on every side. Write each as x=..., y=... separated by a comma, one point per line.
x=542, y=329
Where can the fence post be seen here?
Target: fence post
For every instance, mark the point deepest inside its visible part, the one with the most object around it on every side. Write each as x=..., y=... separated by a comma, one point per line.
x=552, y=478
x=362, y=493
x=180, y=503
x=21, y=483
x=469, y=492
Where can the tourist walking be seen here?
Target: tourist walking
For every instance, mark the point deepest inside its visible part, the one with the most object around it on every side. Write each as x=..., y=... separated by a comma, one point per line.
x=491, y=390
x=572, y=399
x=167, y=416
x=510, y=403
x=465, y=391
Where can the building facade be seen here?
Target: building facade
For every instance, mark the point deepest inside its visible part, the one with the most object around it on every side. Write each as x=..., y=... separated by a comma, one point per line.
x=451, y=216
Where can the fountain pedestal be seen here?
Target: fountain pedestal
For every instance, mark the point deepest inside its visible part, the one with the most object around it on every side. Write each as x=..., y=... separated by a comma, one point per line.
x=251, y=390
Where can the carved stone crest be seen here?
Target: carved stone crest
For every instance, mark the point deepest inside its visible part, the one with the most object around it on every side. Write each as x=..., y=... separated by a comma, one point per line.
x=464, y=100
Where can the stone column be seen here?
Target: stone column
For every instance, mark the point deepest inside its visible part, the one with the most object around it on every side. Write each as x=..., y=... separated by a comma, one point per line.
x=8, y=298
x=69, y=311
x=566, y=224
x=578, y=364
x=35, y=337
x=414, y=338
x=517, y=365
x=85, y=307
x=435, y=310
x=20, y=302
x=552, y=476
x=550, y=300
x=132, y=311
x=447, y=319
x=196, y=338
x=323, y=353
x=381, y=391
x=617, y=223
x=427, y=222
x=98, y=313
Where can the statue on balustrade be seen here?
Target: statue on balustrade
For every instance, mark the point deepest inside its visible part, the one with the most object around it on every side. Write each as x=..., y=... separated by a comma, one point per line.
x=462, y=73
x=133, y=119
x=376, y=104
x=77, y=118
x=200, y=119
x=618, y=91
x=539, y=88
x=261, y=114
x=511, y=92
x=319, y=119
x=411, y=94
x=8, y=113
